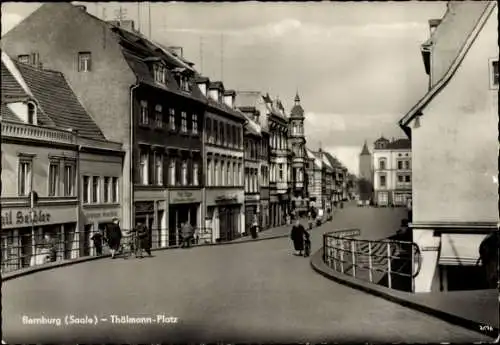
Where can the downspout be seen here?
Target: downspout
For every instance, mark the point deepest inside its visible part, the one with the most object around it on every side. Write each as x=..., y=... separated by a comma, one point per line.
x=131, y=154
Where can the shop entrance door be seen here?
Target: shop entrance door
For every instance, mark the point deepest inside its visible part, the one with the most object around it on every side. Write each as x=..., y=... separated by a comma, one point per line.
x=228, y=223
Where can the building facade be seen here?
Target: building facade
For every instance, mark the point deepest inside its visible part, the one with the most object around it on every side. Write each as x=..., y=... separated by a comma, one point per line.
x=455, y=188
x=297, y=143
x=224, y=163
x=74, y=174
x=280, y=169
x=392, y=172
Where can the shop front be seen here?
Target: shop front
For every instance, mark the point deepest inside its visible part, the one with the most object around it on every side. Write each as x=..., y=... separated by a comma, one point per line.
x=184, y=207
x=252, y=209
x=264, y=209
x=26, y=235
x=225, y=214
x=95, y=219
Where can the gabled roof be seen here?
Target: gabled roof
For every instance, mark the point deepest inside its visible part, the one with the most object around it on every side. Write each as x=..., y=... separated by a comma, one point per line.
x=334, y=162
x=250, y=126
x=451, y=41
x=58, y=102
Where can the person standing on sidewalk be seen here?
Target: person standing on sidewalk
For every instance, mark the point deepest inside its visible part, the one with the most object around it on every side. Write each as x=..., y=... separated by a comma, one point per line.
x=114, y=236
x=143, y=239
x=297, y=235
x=254, y=227
x=187, y=234
x=97, y=239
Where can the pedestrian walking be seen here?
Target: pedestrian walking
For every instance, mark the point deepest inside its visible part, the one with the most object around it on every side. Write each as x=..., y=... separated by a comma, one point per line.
x=143, y=239
x=114, y=236
x=310, y=220
x=186, y=234
x=297, y=235
x=97, y=238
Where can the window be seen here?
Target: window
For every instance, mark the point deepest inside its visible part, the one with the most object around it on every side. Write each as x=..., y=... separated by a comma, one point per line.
x=144, y=119
x=216, y=131
x=494, y=74
x=86, y=189
x=84, y=62
x=223, y=173
x=216, y=177
x=382, y=164
x=280, y=166
x=195, y=174
x=235, y=174
x=69, y=180
x=400, y=165
x=400, y=178
x=194, y=120
x=407, y=164
x=31, y=113
x=115, y=189
x=53, y=178
x=184, y=173
x=226, y=134
x=208, y=126
x=172, y=172
x=144, y=162
x=107, y=185
x=159, y=73
x=408, y=178
x=230, y=136
x=25, y=59
x=171, y=112
x=184, y=122
x=158, y=168
x=24, y=177
x=240, y=175
x=95, y=189
x=209, y=172
x=382, y=181
x=158, y=116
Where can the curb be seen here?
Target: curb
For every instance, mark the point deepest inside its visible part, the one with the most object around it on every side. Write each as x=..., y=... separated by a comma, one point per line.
x=392, y=295
x=63, y=263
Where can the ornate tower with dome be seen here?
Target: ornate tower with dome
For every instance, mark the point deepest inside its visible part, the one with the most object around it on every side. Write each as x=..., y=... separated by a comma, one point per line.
x=297, y=143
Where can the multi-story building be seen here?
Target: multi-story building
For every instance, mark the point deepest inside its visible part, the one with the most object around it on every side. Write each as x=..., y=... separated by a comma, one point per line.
x=52, y=148
x=454, y=135
x=297, y=143
x=365, y=179
x=140, y=94
x=321, y=183
x=280, y=170
x=392, y=172
x=252, y=144
x=314, y=178
x=223, y=151
x=252, y=104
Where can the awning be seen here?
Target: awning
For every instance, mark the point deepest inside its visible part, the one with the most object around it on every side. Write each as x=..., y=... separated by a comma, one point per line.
x=460, y=249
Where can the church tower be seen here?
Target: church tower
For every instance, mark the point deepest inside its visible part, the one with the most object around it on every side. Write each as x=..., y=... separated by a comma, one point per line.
x=297, y=142
x=365, y=164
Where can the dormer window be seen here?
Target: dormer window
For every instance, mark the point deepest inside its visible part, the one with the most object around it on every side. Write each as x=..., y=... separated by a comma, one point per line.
x=31, y=119
x=25, y=59
x=159, y=73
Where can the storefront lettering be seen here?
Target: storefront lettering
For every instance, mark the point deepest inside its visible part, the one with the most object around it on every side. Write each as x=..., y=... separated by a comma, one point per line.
x=109, y=214
x=227, y=198
x=25, y=218
x=144, y=207
x=184, y=197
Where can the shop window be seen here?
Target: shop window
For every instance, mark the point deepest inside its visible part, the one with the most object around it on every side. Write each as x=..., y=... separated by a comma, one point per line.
x=69, y=180
x=53, y=178
x=25, y=176
x=86, y=189
x=95, y=189
x=115, y=189
x=106, y=189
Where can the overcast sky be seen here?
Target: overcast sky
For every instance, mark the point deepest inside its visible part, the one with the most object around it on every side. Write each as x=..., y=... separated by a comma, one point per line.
x=357, y=66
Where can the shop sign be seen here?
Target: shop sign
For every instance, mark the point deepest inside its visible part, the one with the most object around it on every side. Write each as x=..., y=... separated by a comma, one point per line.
x=99, y=215
x=25, y=218
x=226, y=199
x=144, y=207
x=185, y=197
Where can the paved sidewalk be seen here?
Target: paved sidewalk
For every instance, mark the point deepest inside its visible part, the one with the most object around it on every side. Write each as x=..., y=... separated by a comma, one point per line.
x=476, y=310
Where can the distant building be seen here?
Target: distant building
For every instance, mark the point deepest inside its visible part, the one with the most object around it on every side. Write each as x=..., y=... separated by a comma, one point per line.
x=392, y=172
x=454, y=134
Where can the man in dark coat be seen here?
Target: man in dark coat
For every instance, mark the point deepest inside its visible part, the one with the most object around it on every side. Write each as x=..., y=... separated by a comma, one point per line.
x=114, y=236
x=187, y=233
x=143, y=239
x=297, y=235
x=97, y=239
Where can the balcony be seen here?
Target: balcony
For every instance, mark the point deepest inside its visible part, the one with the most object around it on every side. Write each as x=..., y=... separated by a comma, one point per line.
x=26, y=131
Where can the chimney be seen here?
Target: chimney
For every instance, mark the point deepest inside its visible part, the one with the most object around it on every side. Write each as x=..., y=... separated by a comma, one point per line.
x=229, y=96
x=81, y=7
x=177, y=51
x=433, y=24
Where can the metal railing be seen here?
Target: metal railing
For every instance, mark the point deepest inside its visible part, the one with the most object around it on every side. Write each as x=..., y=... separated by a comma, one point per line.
x=391, y=263
x=21, y=251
